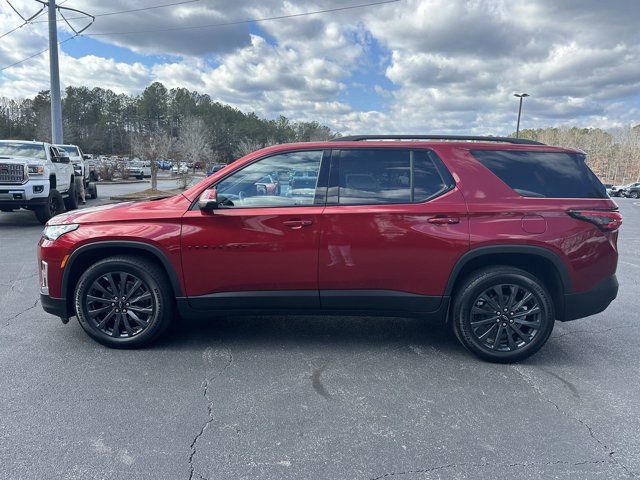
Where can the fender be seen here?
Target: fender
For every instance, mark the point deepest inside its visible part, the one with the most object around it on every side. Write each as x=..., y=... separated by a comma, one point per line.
x=545, y=253
x=155, y=251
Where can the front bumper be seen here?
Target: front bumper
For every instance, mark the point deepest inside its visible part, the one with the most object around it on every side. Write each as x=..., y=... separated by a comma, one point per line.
x=55, y=306
x=32, y=193
x=592, y=301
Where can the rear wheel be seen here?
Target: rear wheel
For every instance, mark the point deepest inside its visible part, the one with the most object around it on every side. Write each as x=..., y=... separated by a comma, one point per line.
x=124, y=302
x=71, y=202
x=633, y=194
x=53, y=206
x=503, y=314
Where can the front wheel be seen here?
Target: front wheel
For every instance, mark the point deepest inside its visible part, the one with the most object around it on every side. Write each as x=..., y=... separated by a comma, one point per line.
x=124, y=302
x=503, y=314
x=53, y=206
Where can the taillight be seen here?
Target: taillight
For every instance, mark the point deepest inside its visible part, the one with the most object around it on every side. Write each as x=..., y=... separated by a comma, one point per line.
x=605, y=221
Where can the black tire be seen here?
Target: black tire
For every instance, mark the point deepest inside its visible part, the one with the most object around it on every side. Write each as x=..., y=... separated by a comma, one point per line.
x=53, y=207
x=519, y=333
x=92, y=190
x=71, y=202
x=93, y=177
x=138, y=327
x=633, y=194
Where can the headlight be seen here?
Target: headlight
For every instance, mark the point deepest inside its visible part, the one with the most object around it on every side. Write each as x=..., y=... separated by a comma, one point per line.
x=54, y=232
x=35, y=170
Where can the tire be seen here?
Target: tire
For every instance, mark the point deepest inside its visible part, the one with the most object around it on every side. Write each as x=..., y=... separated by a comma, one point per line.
x=155, y=292
x=93, y=177
x=71, y=202
x=520, y=334
x=53, y=207
x=633, y=194
x=92, y=190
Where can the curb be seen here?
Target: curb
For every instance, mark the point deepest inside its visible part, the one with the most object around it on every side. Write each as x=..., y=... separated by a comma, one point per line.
x=122, y=182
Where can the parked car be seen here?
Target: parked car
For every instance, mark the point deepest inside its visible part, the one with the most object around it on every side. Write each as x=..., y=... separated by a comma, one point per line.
x=215, y=167
x=615, y=190
x=496, y=237
x=164, y=164
x=179, y=168
x=138, y=169
x=84, y=168
x=631, y=190
x=36, y=176
x=267, y=185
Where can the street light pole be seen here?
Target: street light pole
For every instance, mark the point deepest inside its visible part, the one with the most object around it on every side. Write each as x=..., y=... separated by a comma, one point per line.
x=520, y=96
x=56, y=105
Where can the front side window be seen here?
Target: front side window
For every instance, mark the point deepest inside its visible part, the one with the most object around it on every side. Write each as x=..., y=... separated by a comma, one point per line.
x=379, y=176
x=273, y=182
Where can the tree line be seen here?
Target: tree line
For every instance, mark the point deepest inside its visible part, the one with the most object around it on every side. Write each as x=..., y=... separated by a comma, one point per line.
x=101, y=121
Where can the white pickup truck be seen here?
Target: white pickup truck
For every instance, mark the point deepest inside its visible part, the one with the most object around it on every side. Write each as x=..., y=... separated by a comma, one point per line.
x=37, y=176
x=84, y=168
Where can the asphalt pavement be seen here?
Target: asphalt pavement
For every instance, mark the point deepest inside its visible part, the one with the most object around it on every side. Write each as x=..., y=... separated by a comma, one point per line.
x=312, y=397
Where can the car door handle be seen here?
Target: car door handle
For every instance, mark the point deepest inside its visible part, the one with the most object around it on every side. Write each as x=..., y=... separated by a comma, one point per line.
x=297, y=224
x=444, y=220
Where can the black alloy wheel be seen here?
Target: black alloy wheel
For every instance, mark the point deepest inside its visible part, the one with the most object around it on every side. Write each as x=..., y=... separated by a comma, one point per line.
x=119, y=304
x=124, y=301
x=505, y=317
x=502, y=314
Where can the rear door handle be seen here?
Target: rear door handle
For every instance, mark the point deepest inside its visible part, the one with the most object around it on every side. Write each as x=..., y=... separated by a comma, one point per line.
x=297, y=224
x=444, y=220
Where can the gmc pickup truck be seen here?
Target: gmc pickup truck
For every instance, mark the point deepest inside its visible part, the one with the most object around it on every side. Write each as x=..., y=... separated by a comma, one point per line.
x=36, y=176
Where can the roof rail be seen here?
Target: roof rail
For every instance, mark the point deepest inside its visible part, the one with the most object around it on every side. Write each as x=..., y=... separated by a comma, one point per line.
x=358, y=138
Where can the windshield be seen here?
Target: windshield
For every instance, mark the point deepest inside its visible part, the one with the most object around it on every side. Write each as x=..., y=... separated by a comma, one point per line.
x=71, y=150
x=27, y=150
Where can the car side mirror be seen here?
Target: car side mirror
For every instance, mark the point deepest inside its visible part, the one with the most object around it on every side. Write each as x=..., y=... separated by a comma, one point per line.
x=208, y=200
x=63, y=157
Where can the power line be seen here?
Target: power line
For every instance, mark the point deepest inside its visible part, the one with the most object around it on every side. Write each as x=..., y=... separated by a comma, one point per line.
x=25, y=20
x=239, y=22
x=30, y=20
x=132, y=10
x=35, y=54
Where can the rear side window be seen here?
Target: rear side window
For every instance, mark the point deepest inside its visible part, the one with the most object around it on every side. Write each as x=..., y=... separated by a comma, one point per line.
x=543, y=174
x=379, y=176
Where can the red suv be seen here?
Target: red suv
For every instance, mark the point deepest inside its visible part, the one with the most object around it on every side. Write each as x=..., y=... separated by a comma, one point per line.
x=497, y=237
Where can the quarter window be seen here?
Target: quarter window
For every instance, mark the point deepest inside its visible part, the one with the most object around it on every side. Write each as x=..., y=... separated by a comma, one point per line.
x=284, y=180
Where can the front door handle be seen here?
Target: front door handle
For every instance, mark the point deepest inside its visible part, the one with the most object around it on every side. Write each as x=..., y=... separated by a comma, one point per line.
x=297, y=224
x=444, y=220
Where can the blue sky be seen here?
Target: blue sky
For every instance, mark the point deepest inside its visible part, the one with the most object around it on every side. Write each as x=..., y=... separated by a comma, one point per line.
x=405, y=66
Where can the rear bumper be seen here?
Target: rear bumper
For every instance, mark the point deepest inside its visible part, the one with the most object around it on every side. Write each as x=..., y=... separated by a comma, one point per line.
x=55, y=306
x=592, y=301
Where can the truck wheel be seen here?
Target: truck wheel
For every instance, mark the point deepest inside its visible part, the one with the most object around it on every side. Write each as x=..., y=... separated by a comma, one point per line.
x=633, y=194
x=53, y=207
x=93, y=177
x=71, y=202
x=124, y=302
x=92, y=190
x=502, y=314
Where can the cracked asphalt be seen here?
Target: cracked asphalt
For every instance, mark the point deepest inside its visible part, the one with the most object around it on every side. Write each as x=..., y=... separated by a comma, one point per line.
x=312, y=397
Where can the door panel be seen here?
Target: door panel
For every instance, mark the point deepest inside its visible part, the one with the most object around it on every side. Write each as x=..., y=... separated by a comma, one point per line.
x=392, y=247
x=394, y=225
x=250, y=249
x=259, y=249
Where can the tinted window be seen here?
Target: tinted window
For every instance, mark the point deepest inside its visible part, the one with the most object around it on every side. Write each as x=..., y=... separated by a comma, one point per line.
x=379, y=176
x=260, y=185
x=543, y=174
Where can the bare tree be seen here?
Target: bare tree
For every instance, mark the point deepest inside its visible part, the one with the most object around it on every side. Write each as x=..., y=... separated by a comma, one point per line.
x=193, y=145
x=151, y=147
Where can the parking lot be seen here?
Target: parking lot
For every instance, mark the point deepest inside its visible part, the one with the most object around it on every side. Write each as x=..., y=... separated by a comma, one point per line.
x=312, y=397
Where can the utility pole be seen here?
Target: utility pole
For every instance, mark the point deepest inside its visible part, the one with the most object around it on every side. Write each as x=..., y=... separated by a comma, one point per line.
x=56, y=103
x=521, y=96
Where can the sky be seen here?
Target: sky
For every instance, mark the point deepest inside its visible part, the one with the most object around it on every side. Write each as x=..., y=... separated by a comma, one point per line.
x=409, y=66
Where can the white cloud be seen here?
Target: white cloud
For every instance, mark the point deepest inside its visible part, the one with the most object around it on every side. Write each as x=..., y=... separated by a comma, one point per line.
x=450, y=65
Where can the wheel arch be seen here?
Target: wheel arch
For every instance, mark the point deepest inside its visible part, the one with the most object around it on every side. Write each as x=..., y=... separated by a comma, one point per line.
x=52, y=181
x=88, y=254
x=539, y=261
